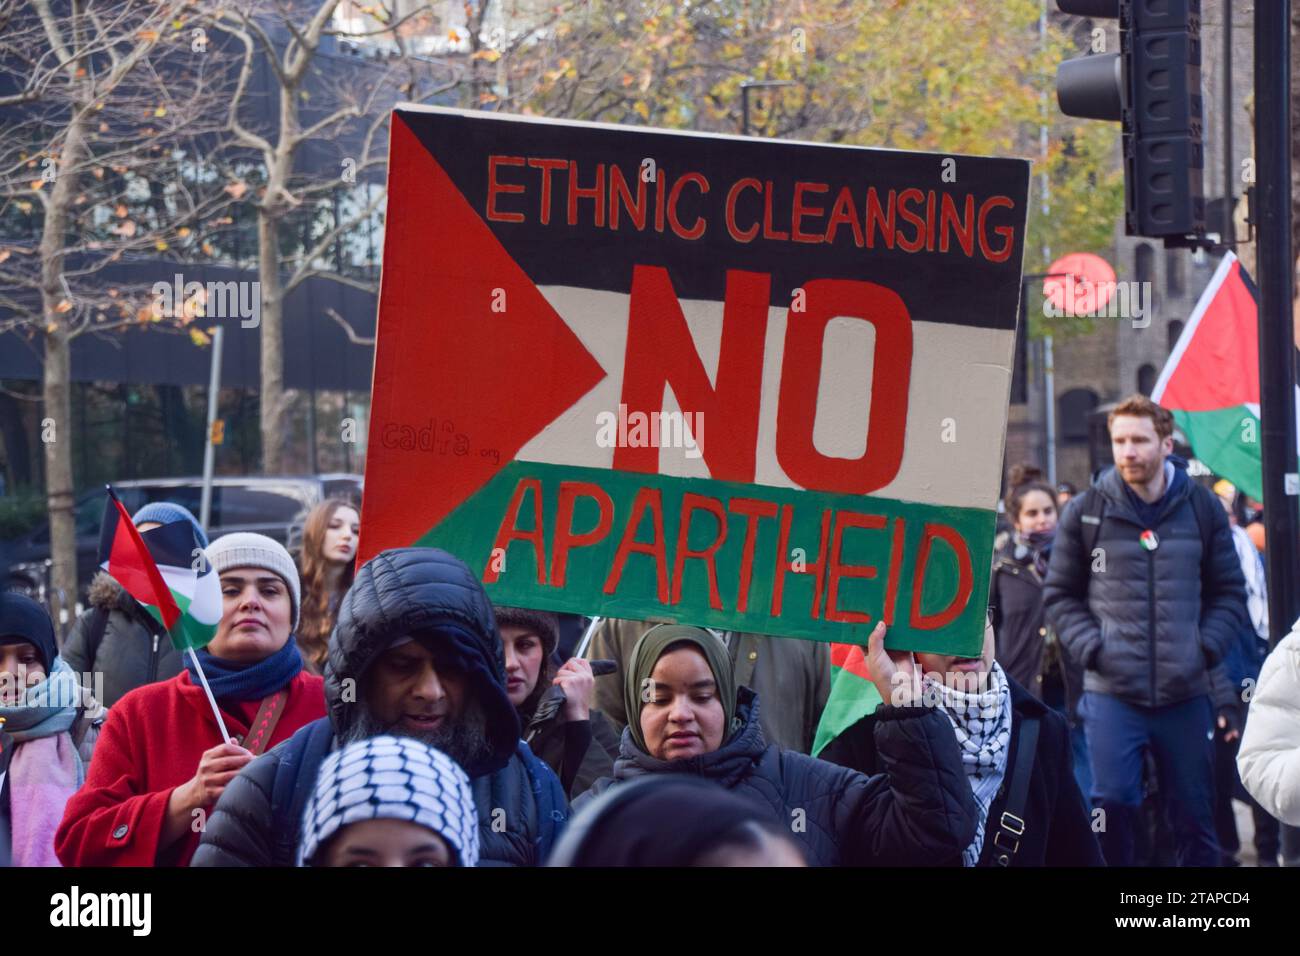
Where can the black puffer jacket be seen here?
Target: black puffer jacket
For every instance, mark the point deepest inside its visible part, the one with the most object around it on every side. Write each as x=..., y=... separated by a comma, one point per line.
x=1149, y=626
x=520, y=804
x=1019, y=626
x=1058, y=829
x=919, y=811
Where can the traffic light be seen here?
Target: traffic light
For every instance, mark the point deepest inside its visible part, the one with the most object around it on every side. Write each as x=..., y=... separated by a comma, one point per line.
x=1153, y=87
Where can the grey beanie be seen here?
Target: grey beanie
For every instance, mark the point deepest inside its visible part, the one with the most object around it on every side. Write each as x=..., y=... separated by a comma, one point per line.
x=243, y=549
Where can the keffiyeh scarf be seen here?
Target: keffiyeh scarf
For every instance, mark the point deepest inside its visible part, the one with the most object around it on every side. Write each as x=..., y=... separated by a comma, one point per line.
x=982, y=724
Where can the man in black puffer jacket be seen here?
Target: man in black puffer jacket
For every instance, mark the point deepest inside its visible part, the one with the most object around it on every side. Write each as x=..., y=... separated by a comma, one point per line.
x=415, y=651
x=1146, y=593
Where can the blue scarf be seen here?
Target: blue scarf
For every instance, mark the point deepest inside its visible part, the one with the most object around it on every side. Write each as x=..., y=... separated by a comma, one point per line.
x=49, y=707
x=231, y=681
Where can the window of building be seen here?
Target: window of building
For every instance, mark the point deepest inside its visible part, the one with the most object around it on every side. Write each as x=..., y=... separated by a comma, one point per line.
x=1146, y=379
x=1072, y=415
x=1175, y=331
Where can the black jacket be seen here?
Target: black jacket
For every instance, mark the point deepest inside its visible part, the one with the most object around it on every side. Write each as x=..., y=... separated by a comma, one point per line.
x=520, y=805
x=580, y=751
x=1145, y=625
x=1019, y=625
x=1058, y=829
x=919, y=811
x=133, y=650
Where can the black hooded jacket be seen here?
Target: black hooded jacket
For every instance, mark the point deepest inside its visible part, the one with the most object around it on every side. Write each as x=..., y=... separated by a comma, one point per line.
x=918, y=812
x=408, y=591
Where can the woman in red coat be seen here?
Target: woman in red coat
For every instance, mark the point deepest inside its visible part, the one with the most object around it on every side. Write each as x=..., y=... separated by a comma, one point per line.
x=160, y=762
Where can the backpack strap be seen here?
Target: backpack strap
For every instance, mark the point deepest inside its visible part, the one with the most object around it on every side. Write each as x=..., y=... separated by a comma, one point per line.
x=95, y=629
x=1094, y=509
x=1011, y=826
x=1201, y=505
x=295, y=778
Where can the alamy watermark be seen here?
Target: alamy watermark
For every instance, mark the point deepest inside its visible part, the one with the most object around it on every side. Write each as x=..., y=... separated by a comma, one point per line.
x=1072, y=296
x=651, y=430
x=218, y=300
x=83, y=691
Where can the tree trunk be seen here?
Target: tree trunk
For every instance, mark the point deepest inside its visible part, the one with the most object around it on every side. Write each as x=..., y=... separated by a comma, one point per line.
x=273, y=403
x=57, y=437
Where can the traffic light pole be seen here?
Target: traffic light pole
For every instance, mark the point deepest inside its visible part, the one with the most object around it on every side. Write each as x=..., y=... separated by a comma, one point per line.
x=1276, y=267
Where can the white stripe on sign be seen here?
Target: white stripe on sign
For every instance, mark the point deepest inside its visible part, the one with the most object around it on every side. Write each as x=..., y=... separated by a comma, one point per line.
x=955, y=414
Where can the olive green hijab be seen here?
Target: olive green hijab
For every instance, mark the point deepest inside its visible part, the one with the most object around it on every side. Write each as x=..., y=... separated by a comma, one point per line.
x=646, y=654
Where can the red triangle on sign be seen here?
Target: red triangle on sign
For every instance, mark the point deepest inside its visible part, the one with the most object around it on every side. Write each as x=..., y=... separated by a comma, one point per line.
x=472, y=384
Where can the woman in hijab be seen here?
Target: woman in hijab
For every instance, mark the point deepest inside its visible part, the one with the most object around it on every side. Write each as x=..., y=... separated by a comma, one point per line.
x=161, y=761
x=39, y=766
x=686, y=716
x=1015, y=752
x=675, y=820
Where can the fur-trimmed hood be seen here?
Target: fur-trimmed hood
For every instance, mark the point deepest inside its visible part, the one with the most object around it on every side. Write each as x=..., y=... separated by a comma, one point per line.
x=105, y=592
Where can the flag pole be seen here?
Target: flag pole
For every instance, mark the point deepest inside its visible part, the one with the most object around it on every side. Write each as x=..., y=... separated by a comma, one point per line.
x=216, y=712
x=581, y=650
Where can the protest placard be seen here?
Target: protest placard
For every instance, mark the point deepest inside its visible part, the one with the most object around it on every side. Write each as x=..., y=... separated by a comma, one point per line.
x=751, y=384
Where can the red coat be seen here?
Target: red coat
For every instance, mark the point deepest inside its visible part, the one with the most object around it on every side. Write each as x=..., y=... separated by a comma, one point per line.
x=151, y=744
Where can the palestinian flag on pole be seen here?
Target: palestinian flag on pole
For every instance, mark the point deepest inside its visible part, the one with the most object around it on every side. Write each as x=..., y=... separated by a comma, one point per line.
x=1211, y=381
x=852, y=696
x=166, y=571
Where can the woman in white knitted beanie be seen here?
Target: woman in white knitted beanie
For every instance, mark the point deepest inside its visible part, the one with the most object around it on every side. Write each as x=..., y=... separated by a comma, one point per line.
x=161, y=760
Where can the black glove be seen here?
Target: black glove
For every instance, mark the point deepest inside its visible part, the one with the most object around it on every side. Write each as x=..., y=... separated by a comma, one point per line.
x=1229, y=723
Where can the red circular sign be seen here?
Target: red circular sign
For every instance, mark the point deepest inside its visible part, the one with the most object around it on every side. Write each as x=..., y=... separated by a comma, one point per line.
x=1082, y=285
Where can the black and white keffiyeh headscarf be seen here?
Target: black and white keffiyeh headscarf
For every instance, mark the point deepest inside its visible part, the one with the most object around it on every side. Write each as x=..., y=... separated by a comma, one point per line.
x=397, y=778
x=982, y=723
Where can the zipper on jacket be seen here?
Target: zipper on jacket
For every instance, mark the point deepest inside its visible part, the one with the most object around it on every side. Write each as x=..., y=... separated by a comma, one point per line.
x=153, y=660
x=1151, y=618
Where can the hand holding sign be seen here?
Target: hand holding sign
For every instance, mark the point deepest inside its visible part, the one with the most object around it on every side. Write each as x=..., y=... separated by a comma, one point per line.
x=893, y=672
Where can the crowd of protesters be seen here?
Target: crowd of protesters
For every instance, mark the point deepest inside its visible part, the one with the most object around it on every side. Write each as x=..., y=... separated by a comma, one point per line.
x=390, y=715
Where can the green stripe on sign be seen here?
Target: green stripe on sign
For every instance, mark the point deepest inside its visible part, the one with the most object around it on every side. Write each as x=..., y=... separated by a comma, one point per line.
x=1227, y=440
x=609, y=556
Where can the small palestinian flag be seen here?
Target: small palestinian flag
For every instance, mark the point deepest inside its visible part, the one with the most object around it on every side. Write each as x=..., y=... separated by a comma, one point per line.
x=852, y=695
x=164, y=569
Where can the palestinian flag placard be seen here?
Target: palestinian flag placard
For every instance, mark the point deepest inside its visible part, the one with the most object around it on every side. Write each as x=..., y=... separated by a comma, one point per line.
x=166, y=571
x=740, y=383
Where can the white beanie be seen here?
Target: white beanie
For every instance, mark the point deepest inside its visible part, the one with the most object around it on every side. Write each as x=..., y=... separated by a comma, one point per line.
x=243, y=549
x=391, y=778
